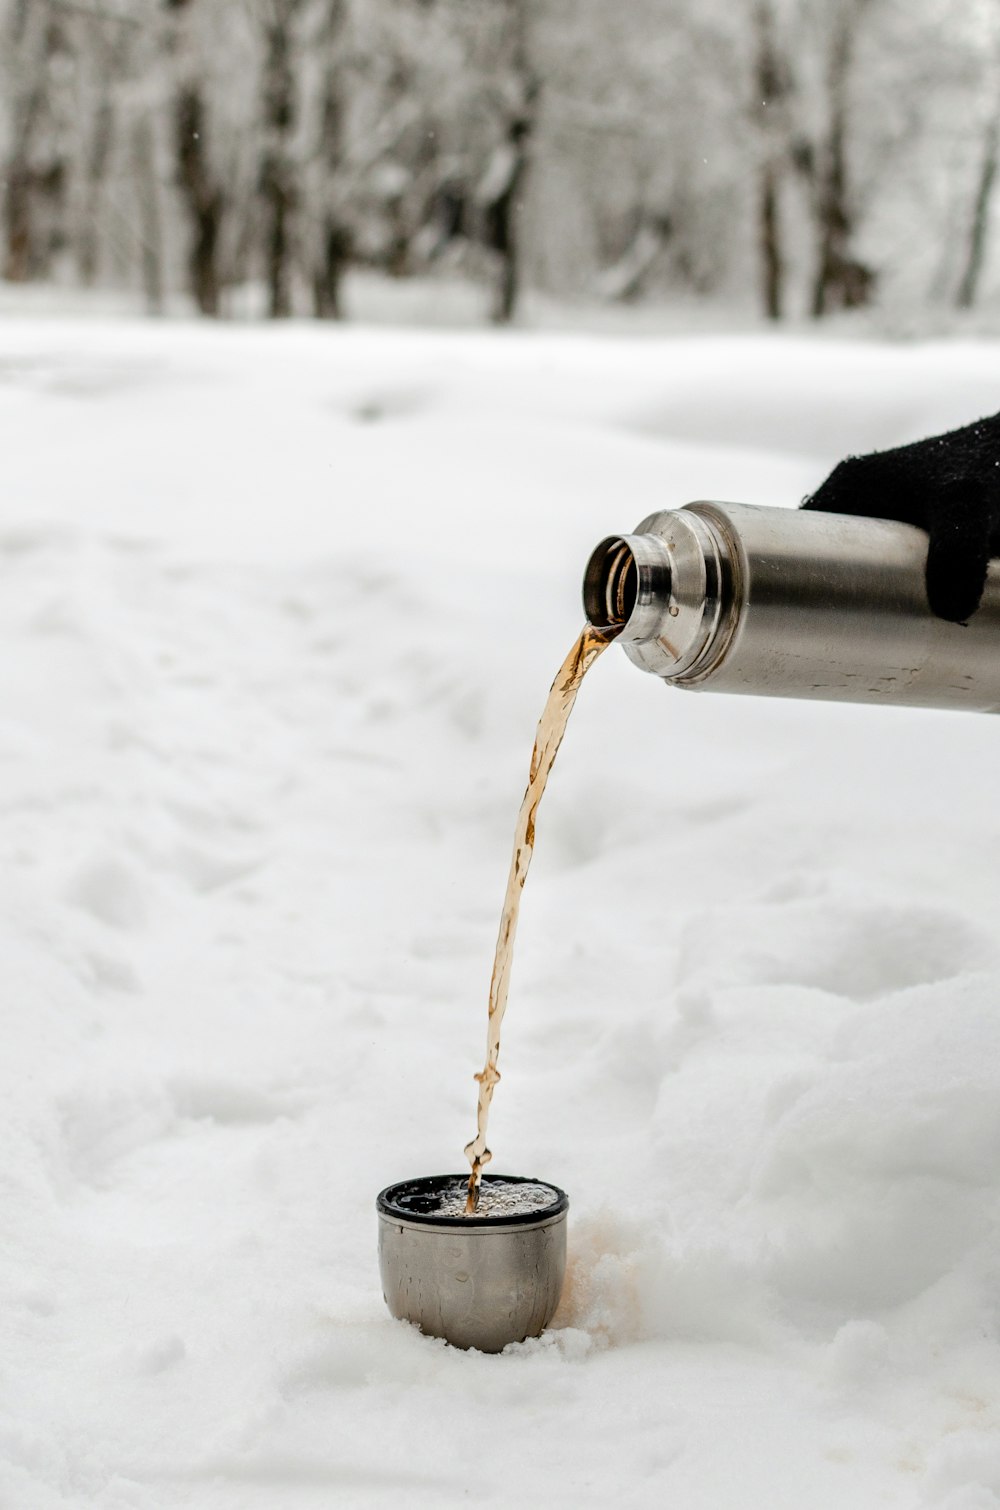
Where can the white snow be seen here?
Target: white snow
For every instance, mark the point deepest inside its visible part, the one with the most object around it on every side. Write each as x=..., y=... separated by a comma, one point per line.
x=278, y=611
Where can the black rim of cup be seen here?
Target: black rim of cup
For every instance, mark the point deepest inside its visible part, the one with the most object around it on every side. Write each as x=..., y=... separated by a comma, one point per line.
x=414, y=1201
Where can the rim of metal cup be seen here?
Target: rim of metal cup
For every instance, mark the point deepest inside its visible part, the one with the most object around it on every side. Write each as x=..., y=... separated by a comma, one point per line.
x=427, y=1186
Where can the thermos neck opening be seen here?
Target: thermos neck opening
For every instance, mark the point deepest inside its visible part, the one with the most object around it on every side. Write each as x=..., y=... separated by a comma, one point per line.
x=626, y=586
x=610, y=584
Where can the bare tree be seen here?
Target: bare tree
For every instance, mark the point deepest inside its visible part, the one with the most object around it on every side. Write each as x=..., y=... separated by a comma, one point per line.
x=277, y=181
x=975, y=255
x=985, y=183
x=201, y=195
x=196, y=178
x=498, y=198
x=35, y=171
x=332, y=250
x=772, y=83
x=98, y=156
x=500, y=193
x=841, y=280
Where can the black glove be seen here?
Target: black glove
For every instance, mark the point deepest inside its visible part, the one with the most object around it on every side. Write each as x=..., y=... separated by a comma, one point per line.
x=950, y=486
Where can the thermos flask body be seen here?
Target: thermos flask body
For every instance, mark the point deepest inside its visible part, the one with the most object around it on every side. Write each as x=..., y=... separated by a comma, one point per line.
x=732, y=597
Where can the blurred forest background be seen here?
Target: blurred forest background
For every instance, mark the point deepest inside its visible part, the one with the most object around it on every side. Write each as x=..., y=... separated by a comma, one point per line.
x=793, y=157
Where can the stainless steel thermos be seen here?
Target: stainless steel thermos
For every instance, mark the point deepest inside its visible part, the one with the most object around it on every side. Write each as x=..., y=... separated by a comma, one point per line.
x=735, y=597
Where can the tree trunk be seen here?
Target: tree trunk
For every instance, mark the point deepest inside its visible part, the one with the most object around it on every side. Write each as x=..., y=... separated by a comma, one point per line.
x=202, y=197
x=772, y=86
x=770, y=243
x=508, y=287
x=18, y=251
x=505, y=229
x=506, y=210
x=841, y=281
x=150, y=223
x=833, y=220
x=968, y=287
x=278, y=200
x=330, y=252
x=327, y=304
x=277, y=178
x=100, y=152
x=34, y=179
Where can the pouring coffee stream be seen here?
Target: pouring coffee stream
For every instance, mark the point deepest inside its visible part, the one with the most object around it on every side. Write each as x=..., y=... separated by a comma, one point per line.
x=713, y=597
x=548, y=738
x=742, y=598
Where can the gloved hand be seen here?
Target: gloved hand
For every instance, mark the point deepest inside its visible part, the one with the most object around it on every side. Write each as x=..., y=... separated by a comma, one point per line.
x=950, y=486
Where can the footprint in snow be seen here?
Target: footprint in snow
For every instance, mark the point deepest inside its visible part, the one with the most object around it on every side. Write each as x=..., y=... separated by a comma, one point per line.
x=850, y=949
x=103, y=1126
x=398, y=403
x=107, y=889
x=206, y=870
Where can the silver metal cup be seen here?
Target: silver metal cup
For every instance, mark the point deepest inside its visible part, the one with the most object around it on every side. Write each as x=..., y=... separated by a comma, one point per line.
x=478, y=1281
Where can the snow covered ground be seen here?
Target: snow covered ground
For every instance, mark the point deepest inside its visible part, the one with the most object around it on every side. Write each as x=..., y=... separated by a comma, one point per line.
x=278, y=611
